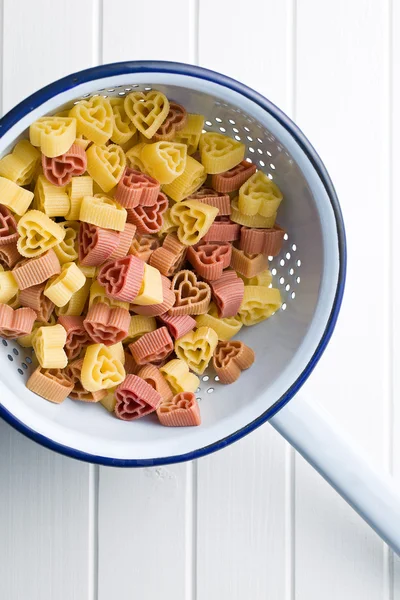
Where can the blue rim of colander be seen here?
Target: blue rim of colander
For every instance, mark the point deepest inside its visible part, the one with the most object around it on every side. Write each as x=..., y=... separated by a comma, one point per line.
x=133, y=67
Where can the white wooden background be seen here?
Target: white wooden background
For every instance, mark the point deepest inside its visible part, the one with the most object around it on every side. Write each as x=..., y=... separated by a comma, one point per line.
x=253, y=521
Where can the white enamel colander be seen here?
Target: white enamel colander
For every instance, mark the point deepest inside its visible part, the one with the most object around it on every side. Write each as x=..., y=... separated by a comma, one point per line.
x=309, y=272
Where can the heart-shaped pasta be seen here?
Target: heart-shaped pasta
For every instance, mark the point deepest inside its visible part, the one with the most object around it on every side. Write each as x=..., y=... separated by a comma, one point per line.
x=196, y=348
x=123, y=128
x=193, y=219
x=262, y=241
x=122, y=278
x=103, y=211
x=8, y=227
x=165, y=161
x=174, y=122
x=34, y=298
x=77, y=336
x=230, y=359
x=177, y=374
x=143, y=246
x=106, y=165
x=232, y=180
x=54, y=385
x=259, y=195
x=38, y=233
x=258, y=304
x=100, y=369
x=248, y=265
x=61, y=288
x=51, y=199
x=210, y=259
x=20, y=166
x=135, y=398
x=191, y=132
x=192, y=297
x=149, y=219
x=48, y=345
x=94, y=119
x=107, y=325
x=180, y=411
x=74, y=371
x=14, y=197
x=219, y=152
x=193, y=177
x=136, y=188
x=147, y=110
x=15, y=323
x=53, y=135
x=60, y=169
x=67, y=249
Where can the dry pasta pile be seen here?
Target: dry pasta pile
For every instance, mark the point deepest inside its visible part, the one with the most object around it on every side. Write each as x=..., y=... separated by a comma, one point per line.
x=140, y=253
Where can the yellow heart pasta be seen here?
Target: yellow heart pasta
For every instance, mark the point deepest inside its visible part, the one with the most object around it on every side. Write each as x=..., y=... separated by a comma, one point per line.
x=123, y=128
x=193, y=219
x=189, y=182
x=38, y=233
x=165, y=161
x=258, y=304
x=94, y=119
x=61, y=287
x=53, y=135
x=219, y=152
x=77, y=189
x=106, y=164
x=139, y=325
x=13, y=196
x=67, y=249
x=51, y=199
x=196, y=348
x=177, y=374
x=103, y=211
x=20, y=166
x=263, y=278
x=251, y=220
x=75, y=305
x=147, y=110
x=259, y=195
x=133, y=157
x=48, y=345
x=101, y=370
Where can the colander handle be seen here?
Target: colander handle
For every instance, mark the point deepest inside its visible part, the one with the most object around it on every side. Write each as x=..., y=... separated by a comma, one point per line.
x=370, y=491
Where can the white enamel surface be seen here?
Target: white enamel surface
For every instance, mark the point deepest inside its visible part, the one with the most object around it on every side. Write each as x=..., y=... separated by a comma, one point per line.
x=284, y=345
x=254, y=520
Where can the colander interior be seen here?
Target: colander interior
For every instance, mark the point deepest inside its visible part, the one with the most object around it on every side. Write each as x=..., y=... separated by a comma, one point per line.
x=305, y=273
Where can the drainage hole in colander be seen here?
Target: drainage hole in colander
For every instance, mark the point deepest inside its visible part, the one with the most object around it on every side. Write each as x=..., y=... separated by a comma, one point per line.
x=299, y=263
x=4, y=343
x=293, y=295
x=246, y=128
x=288, y=255
x=222, y=129
x=235, y=130
x=208, y=123
x=286, y=237
x=291, y=271
x=216, y=378
x=205, y=378
x=270, y=176
x=251, y=150
x=274, y=271
x=232, y=122
x=270, y=258
x=282, y=280
x=259, y=151
x=249, y=138
x=210, y=390
x=237, y=137
x=287, y=288
x=282, y=262
x=269, y=153
x=272, y=166
x=24, y=365
x=198, y=399
x=283, y=306
x=294, y=247
x=298, y=279
x=262, y=163
x=10, y=358
x=20, y=371
x=198, y=390
x=28, y=360
x=15, y=351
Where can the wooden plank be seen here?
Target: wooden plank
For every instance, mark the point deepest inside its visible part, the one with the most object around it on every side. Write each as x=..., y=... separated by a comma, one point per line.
x=43, y=42
x=342, y=47
x=46, y=542
x=146, y=515
x=244, y=541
